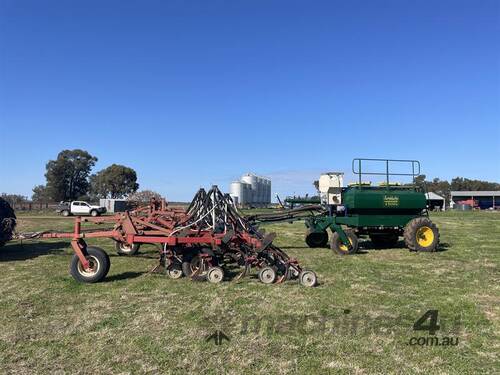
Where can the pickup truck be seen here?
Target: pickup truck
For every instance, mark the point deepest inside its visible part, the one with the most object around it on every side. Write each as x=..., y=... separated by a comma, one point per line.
x=79, y=208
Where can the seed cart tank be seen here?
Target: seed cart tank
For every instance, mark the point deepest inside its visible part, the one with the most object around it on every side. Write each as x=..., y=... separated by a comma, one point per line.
x=383, y=212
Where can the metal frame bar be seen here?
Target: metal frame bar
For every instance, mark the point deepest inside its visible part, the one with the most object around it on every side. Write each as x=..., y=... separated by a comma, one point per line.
x=360, y=172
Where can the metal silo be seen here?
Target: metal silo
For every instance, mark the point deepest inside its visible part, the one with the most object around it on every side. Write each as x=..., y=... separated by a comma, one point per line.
x=246, y=193
x=252, y=180
x=264, y=189
x=267, y=198
x=236, y=190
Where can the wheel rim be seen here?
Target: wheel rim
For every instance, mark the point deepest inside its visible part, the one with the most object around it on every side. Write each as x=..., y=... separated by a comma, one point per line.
x=344, y=247
x=94, y=266
x=425, y=236
x=267, y=276
x=125, y=247
x=174, y=273
x=308, y=278
x=215, y=275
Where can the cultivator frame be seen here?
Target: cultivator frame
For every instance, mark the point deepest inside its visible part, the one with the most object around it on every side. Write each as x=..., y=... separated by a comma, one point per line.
x=200, y=242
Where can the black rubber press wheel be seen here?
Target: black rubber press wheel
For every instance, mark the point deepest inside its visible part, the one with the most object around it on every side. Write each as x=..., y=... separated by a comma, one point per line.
x=317, y=239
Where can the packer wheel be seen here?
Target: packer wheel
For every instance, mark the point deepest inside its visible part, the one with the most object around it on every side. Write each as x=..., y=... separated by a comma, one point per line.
x=308, y=278
x=267, y=275
x=215, y=275
x=124, y=248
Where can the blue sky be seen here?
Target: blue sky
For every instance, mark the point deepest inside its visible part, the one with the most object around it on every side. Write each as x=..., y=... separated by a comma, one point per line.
x=193, y=93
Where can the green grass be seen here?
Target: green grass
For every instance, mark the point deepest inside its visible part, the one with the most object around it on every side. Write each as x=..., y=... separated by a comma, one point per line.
x=358, y=320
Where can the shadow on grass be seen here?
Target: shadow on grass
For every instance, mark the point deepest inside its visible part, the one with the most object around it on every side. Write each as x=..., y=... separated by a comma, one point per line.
x=16, y=251
x=123, y=276
x=368, y=245
x=302, y=247
x=140, y=255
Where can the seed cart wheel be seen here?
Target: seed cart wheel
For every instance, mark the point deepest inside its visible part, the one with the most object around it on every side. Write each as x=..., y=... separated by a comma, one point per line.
x=123, y=248
x=421, y=234
x=267, y=275
x=337, y=245
x=65, y=213
x=215, y=275
x=308, y=278
x=317, y=239
x=384, y=241
x=98, y=266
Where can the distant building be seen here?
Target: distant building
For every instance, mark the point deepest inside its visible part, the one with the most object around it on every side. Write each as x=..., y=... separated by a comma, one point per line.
x=434, y=201
x=114, y=205
x=478, y=199
x=251, y=190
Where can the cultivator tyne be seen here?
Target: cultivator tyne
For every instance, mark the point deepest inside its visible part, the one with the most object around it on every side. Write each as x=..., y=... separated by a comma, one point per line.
x=210, y=240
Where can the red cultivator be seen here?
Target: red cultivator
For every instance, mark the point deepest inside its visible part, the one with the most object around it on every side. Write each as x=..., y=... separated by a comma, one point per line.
x=208, y=241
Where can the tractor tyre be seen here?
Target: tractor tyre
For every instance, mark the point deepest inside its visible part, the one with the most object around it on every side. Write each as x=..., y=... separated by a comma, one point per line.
x=99, y=266
x=337, y=246
x=421, y=234
x=316, y=239
x=123, y=248
x=384, y=241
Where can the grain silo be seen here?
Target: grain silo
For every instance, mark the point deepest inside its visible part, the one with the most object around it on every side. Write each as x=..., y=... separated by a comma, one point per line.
x=252, y=181
x=251, y=190
x=240, y=192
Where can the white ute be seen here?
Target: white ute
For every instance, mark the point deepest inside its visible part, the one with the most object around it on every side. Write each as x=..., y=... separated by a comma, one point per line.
x=81, y=208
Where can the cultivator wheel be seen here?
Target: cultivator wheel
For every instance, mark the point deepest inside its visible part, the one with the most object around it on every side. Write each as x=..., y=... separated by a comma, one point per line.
x=97, y=270
x=267, y=275
x=421, y=234
x=337, y=245
x=124, y=248
x=174, y=271
x=308, y=278
x=215, y=275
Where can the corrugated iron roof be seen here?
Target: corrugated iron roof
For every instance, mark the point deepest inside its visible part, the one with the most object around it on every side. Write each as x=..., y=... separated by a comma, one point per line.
x=468, y=193
x=433, y=196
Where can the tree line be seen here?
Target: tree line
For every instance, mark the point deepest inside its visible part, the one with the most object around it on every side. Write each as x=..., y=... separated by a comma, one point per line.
x=69, y=177
x=444, y=188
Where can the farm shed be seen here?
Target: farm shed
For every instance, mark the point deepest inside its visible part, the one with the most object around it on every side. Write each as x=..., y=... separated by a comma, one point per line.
x=434, y=201
x=482, y=199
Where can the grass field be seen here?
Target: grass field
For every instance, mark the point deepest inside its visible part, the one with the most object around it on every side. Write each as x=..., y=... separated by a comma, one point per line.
x=358, y=320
